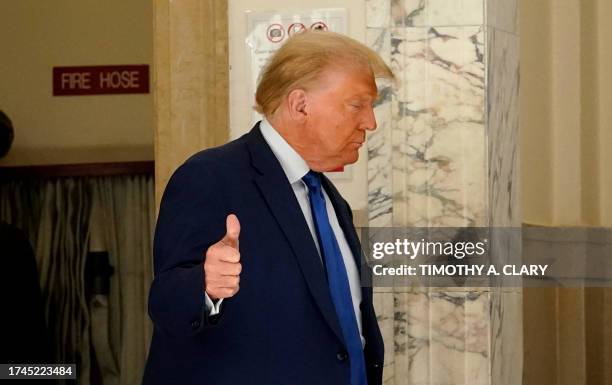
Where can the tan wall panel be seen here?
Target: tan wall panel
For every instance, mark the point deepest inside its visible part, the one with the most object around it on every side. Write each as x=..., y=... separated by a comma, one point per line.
x=540, y=336
x=594, y=334
x=535, y=116
x=571, y=342
x=604, y=40
x=589, y=113
x=565, y=107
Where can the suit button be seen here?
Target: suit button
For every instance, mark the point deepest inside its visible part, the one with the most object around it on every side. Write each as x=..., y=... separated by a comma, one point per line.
x=341, y=356
x=376, y=365
x=195, y=324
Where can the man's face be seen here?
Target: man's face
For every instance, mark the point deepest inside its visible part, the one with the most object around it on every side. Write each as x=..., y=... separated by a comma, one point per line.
x=339, y=111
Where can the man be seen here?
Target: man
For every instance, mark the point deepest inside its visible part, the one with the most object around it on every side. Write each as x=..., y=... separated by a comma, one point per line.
x=23, y=320
x=257, y=263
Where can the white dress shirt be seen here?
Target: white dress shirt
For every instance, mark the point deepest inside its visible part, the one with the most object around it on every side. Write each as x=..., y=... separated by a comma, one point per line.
x=295, y=168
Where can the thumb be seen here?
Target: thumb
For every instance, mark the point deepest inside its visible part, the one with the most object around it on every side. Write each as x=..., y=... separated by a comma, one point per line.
x=232, y=232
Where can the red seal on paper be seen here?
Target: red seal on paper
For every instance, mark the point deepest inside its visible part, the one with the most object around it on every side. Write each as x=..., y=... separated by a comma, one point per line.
x=318, y=26
x=295, y=28
x=275, y=33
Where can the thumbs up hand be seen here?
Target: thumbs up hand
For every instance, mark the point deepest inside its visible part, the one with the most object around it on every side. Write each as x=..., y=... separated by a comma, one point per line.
x=222, y=265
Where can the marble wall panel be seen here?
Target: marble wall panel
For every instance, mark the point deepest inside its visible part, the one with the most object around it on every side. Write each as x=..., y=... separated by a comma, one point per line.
x=460, y=337
x=379, y=142
x=190, y=80
x=378, y=13
x=385, y=311
x=502, y=15
x=437, y=13
x=440, y=337
x=445, y=154
x=380, y=200
x=503, y=128
x=506, y=320
x=438, y=135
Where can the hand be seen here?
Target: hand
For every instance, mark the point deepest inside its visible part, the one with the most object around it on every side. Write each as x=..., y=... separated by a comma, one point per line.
x=222, y=265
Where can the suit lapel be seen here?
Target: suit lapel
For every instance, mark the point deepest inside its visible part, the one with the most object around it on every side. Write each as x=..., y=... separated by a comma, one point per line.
x=281, y=200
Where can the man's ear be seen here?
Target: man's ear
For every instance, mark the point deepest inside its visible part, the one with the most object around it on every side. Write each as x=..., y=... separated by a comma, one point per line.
x=296, y=103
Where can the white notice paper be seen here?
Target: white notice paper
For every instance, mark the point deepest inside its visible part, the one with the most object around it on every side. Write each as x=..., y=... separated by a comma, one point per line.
x=267, y=31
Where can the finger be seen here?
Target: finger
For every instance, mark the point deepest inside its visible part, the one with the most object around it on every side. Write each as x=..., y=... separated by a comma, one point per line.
x=226, y=281
x=227, y=254
x=230, y=269
x=232, y=231
x=221, y=268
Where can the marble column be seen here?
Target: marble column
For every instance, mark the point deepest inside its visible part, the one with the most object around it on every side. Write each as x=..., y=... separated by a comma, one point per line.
x=446, y=155
x=190, y=81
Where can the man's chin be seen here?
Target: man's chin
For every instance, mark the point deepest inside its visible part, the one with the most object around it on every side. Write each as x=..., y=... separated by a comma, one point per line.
x=354, y=157
x=339, y=165
x=345, y=162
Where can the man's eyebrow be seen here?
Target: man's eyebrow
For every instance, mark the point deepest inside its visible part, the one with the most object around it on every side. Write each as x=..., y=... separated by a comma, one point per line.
x=363, y=97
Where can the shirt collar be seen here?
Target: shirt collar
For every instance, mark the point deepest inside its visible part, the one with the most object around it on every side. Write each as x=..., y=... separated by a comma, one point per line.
x=294, y=166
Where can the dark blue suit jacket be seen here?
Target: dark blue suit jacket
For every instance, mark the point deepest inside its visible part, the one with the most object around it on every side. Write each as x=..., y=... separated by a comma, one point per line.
x=281, y=327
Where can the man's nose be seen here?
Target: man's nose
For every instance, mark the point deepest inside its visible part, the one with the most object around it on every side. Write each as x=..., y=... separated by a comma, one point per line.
x=370, y=119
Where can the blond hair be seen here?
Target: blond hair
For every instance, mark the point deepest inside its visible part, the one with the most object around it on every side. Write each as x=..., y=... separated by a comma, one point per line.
x=304, y=57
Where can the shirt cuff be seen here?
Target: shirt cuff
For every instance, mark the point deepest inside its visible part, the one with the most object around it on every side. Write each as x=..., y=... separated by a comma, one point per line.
x=211, y=307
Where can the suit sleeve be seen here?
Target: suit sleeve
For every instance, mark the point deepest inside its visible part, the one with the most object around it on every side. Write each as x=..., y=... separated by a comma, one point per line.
x=20, y=296
x=191, y=218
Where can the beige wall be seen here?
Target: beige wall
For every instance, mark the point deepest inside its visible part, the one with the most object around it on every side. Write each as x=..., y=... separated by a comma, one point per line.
x=566, y=122
x=38, y=35
x=535, y=111
x=566, y=134
x=604, y=66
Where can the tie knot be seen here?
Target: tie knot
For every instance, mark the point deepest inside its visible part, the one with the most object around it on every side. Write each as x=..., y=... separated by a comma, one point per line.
x=313, y=181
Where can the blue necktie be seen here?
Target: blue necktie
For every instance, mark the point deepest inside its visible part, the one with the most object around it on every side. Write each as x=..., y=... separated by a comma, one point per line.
x=337, y=278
